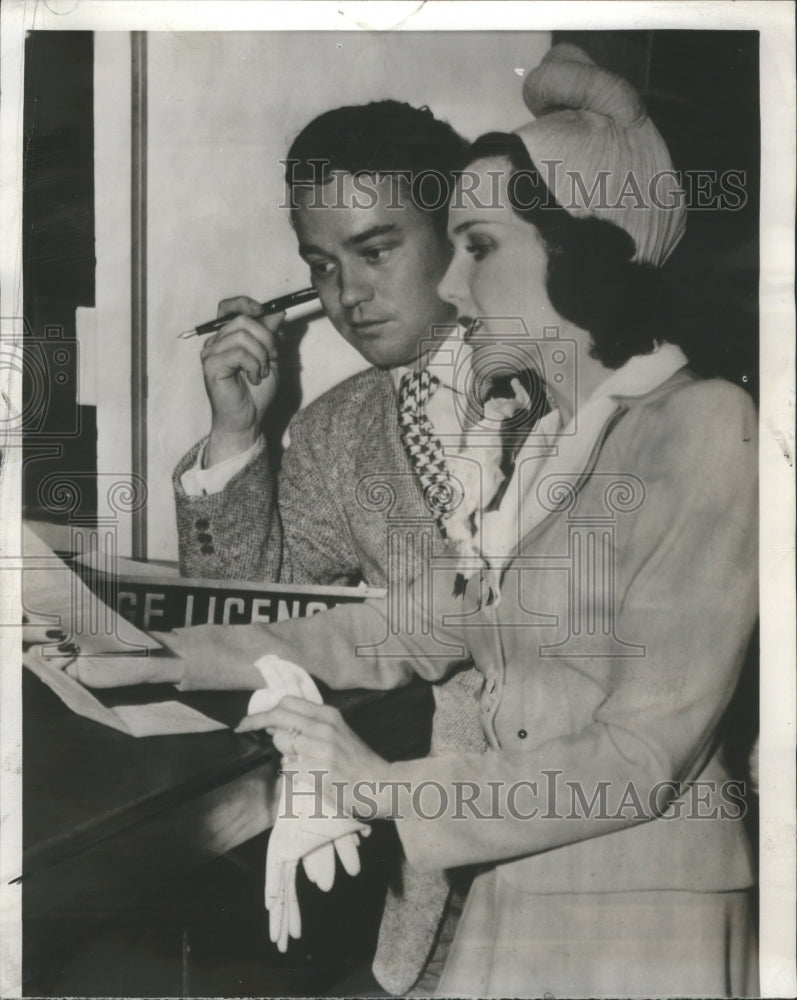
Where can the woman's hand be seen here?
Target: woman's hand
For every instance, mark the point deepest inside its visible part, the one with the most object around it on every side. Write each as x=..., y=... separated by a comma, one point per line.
x=101, y=671
x=47, y=635
x=122, y=671
x=318, y=738
x=39, y=630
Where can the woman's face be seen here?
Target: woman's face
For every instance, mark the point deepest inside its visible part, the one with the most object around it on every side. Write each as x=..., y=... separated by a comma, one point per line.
x=497, y=274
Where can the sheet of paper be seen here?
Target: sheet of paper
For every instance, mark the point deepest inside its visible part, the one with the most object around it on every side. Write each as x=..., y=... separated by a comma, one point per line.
x=72, y=694
x=51, y=589
x=166, y=718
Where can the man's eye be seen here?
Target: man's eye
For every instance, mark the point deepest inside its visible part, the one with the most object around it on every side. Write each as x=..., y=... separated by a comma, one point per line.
x=377, y=255
x=321, y=268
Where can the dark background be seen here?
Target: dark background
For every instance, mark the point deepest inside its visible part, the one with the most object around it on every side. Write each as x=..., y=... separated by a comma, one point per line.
x=58, y=260
x=702, y=91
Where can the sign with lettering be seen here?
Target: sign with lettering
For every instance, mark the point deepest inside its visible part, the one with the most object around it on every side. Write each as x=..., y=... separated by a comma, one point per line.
x=162, y=603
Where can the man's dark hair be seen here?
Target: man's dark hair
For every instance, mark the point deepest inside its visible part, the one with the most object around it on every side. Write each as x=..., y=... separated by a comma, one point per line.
x=591, y=279
x=382, y=138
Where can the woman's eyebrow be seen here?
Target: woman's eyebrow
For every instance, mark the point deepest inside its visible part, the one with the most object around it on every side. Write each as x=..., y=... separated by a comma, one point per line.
x=465, y=226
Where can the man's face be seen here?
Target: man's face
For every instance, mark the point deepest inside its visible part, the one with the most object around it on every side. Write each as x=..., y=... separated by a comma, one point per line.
x=376, y=261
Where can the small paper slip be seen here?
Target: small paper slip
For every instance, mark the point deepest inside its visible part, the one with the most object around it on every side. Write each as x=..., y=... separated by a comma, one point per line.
x=165, y=718
x=51, y=590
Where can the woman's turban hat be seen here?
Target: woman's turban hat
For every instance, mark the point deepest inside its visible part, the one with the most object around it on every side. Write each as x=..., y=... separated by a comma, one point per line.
x=600, y=154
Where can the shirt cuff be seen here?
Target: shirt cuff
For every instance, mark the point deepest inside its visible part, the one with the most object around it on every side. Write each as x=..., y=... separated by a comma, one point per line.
x=199, y=482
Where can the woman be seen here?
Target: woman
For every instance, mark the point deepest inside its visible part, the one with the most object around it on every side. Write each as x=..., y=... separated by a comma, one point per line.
x=619, y=866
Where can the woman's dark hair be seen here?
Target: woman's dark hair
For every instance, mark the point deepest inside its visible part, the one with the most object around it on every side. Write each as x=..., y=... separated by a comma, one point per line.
x=591, y=279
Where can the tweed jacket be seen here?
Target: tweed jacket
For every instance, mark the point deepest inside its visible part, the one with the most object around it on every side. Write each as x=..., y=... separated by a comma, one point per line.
x=604, y=687
x=345, y=485
x=326, y=527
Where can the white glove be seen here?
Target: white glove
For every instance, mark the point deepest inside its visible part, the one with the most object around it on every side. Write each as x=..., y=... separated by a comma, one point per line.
x=281, y=677
x=303, y=834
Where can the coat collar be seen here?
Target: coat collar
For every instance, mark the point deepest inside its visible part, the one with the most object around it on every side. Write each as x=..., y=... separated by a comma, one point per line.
x=644, y=373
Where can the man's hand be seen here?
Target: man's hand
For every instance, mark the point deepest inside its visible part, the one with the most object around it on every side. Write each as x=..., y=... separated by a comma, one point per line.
x=239, y=365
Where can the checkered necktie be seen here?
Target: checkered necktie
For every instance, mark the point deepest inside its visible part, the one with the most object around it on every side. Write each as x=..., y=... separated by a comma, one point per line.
x=422, y=445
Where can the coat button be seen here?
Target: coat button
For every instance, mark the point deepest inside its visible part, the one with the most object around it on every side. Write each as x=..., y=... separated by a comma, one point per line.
x=202, y=524
x=204, y=537
x=522, y=734
x=207, y=550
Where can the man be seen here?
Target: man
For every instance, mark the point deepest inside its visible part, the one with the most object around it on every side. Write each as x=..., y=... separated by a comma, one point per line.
x=376, y=269
x=376, y=255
